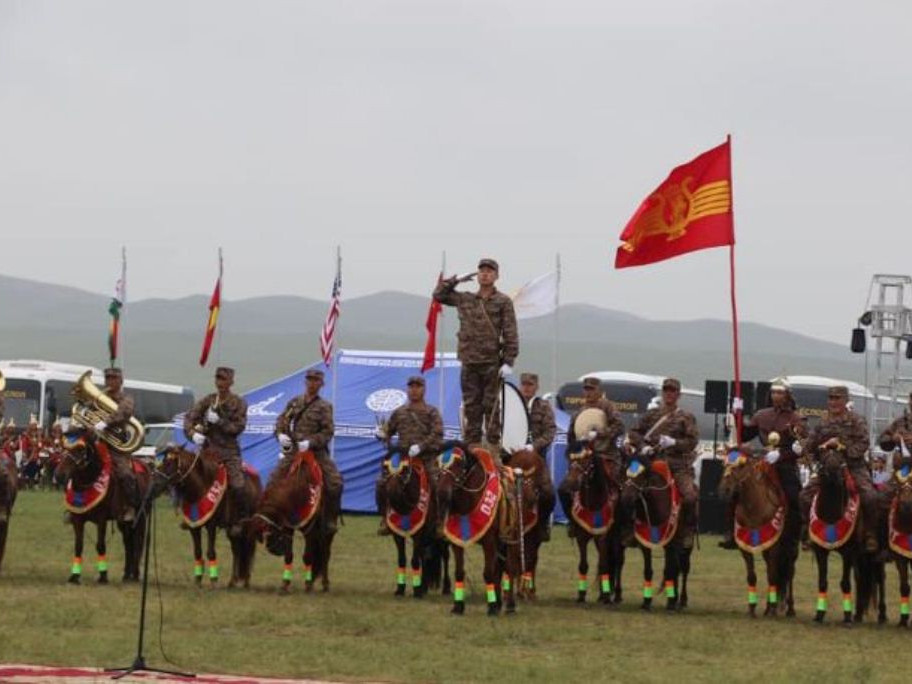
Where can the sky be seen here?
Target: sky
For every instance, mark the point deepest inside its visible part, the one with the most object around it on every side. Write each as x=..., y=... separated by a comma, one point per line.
x=401, y=130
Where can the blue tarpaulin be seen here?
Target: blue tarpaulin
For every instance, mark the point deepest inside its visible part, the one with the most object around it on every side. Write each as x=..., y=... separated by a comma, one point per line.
x=367, y=385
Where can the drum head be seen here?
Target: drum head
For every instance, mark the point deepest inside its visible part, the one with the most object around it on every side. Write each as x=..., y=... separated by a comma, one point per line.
x=588, y=419
x=516, y=419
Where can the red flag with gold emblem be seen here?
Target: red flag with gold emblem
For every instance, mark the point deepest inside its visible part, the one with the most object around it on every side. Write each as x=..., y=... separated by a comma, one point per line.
x=215, y=303
x=691, y=210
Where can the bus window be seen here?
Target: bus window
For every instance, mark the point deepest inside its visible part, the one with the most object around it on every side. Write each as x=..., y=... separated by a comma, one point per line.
x=22, y=399
x=61, y=391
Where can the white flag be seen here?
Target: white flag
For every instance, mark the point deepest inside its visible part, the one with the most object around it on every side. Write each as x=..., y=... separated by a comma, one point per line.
x=537, y=297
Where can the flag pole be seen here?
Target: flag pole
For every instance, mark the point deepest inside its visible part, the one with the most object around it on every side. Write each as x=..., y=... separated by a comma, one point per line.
x=121, y=346
x=554, y=359
x=221, y=322
x=440, y=379
x=739, y=414
x=335, y=354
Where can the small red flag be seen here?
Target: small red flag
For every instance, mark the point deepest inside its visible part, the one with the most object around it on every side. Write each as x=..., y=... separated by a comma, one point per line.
x=214, y=304
x=691, y=210
x=430, y=348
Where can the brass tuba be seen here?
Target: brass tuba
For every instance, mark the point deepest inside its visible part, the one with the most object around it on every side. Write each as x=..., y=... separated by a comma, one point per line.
x=2, y=382
x=91, y=405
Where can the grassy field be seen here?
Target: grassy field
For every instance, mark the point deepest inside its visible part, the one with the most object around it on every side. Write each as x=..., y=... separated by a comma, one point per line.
x=359, y=631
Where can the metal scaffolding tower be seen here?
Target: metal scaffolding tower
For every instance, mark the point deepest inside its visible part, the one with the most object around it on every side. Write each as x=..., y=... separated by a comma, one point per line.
x=891, y=325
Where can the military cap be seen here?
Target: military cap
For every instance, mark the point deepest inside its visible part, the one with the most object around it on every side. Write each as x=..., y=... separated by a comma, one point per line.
x=837, y=391
x=224, y=372
x=592, y=382
x=528, y=377
x=113, y=372
x=313, y=374
x=489, y=263
x=779, y=384
x=415, y=380
x=671, y=383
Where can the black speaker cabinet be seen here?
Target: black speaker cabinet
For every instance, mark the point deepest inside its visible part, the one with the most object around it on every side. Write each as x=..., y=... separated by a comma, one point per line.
x=715, y=398
x=763, y=395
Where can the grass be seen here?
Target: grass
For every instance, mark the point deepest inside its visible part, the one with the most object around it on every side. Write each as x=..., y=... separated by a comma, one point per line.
x=359, y=631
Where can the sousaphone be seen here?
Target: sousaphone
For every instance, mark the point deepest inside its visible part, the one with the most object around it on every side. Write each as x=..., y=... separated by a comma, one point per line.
x=91, y=406
x=587, y=420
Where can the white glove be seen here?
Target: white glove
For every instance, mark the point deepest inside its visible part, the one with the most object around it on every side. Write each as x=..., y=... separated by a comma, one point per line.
x=737, y=404
x=414, y=450
x=199, y=438
x=529, y=447
x=304, y=446
x=797, y=448
x=730, y=421
x=665, y=441
x=284, y=440
x=212, y=416
x=647, y=450
x=591, y=435
x=281, y=455
x=100, y=426
x=772, y=456
x=379, y=433
x=506, y=370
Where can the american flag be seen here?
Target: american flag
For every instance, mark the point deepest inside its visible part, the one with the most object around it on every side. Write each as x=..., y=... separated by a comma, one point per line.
x=328, y=335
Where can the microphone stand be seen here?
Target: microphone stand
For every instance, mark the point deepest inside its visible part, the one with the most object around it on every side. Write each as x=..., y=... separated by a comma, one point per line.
x=146, y=513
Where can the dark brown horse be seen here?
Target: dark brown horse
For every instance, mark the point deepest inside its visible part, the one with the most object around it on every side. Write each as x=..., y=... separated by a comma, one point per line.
x=763, y=514
x=653, y=501
x=293, y=502
x=528, y=478
x=466, y=492
x=899, y=531
x=593, y=509
x=834, y=526
x=87, y=469
x=411, y=496
x=205, y=502
x=7, y=498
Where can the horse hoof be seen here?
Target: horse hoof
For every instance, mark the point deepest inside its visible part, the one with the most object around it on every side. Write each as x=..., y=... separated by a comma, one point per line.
x=284, y=590
x=510, y=610
x=103, y=578
x=325, y=589
x=847, y=624
x=418, y=595
x=308, y=587
x=903, y=623
x=458, y=608
x=581, y=597
x=493, y=611
x=818, y=618
x=400, y=590
x=790, y=613
x=74, y=579
x=646, y=605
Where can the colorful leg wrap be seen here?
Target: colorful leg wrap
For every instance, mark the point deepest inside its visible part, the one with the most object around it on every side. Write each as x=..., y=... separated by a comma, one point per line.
x=309, y=574
x=198, y=568
x=605, y=584
x=416, y=578
x=505, y=583
x=581, y=583
x=647, y=589
x=822, y=601
x=847, y=603
x=76, y=568
x=286, y=573
x=213, y=569
x=752, y=595
x=904, y=605
x=102, y=563
x=459, y=592
x=772, y=595
x=491, y=593
x=669, y=589
x=528, y=580
x=400, y=576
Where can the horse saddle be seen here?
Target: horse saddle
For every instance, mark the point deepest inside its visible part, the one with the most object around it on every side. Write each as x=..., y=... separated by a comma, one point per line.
x=833, y=535
x=407, y=524
x=655, y=534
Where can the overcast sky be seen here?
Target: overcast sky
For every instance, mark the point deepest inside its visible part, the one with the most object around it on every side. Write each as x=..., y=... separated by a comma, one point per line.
x=402, y=128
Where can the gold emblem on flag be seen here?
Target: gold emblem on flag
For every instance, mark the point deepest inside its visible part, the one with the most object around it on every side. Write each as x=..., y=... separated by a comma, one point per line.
x=676, y=206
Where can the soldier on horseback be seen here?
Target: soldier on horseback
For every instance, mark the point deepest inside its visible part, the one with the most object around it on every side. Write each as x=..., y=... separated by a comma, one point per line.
x=670, y=433
x=782, y=418
x=602, y=441
x=306, y=424
x=122, y=462
x=488, y=346
x=216, y=421
x=898, y=432
x=845, y=431
x=419, y=427
x=542, y=430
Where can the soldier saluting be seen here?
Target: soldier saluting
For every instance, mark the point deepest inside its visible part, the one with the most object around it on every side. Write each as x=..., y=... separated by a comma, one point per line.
x=216, y=421
x=488, y=344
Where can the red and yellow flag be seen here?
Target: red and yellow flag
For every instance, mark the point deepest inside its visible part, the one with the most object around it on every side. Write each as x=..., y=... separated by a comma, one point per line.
x=691, y=210
x=214, y=304
x=430, y=324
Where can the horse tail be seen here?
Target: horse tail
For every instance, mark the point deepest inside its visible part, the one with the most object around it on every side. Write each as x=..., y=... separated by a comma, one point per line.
x=432, y=558
x=865, y=567
x=318, y=560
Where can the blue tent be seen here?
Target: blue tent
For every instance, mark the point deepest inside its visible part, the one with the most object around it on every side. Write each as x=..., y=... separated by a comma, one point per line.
x=364, y=385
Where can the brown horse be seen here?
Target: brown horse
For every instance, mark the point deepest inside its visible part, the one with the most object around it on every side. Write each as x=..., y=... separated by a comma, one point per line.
x=293, y=502
x=593, y=481
x=469, y=490
x=653, y=501
x=528, y=476
x=201, y=485
x=412, y=501
x=93, y=496
x=8, y=491
x=762, y=513
x=834, y=526
x=899, y=531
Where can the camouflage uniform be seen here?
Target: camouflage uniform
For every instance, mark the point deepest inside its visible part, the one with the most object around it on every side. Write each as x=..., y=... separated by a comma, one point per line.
x=542, y=430
x=682, y=427
x=222, y=437
x=123, y=462
x=852, y=431
x=488, y=337
x=312, y=420
x=889, y=439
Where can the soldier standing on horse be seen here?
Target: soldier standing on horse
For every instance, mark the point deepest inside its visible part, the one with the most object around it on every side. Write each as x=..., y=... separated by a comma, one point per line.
x=670, y=433
x=542, y=430
x=845, y=431
x=216, y=421
x=488, y=346
x=783, y=418
x=122, y=462
x=602, y=441
x=419, y=427
x=306, y=424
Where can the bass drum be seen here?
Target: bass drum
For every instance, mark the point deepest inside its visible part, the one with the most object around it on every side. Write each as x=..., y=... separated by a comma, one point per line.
x=515, y=418
x=587, y=420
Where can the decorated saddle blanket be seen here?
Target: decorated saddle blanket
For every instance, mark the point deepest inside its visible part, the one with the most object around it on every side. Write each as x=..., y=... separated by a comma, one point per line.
x=463, y=530
x=595, y=521
x=831, y=536
x=197, y=513
x=900, y=536
x=758, y=539
x=83, y=500
x=305, y=511
x=412, y=522
x=655, y=534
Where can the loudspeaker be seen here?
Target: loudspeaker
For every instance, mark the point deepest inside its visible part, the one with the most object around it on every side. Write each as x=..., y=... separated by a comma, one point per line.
x=747, y=396
x=715, y=398
x=762, y=400
x=859, y=341
x=711, y=470
x=712, y=516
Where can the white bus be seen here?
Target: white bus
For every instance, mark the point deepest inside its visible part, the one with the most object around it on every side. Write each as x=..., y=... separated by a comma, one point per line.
x=42, y=389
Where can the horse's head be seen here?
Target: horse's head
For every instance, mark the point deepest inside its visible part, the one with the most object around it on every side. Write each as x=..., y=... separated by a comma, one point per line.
x=79, y=454
x=902, y=473
x=637, y=479
x=738, y=469
x=175, y=465
x=455, y=463
x=832, y=467
x=530, y=466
